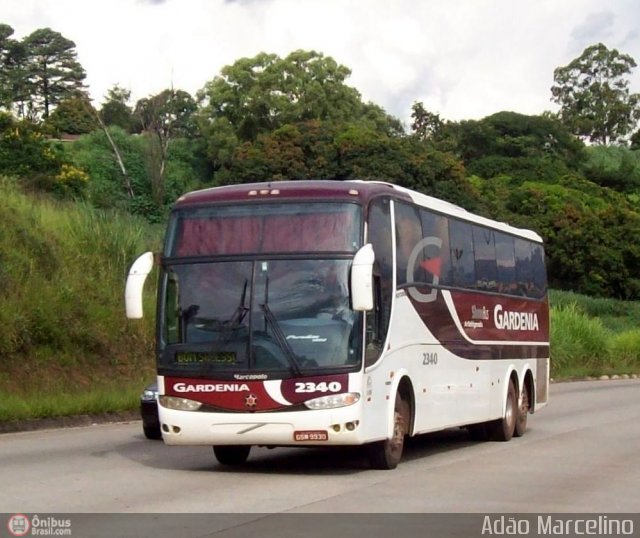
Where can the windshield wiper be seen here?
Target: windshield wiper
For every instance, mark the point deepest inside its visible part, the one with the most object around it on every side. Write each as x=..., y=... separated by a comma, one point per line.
x=235, y=322
x=281, y=339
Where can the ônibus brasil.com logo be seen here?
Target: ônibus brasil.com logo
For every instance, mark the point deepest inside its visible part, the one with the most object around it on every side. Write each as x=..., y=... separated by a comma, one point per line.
x=23, y=525
x=19, y=525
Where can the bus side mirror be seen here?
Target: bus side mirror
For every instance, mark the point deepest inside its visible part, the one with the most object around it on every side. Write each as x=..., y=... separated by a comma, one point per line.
x=362, y=279
x=135, y=284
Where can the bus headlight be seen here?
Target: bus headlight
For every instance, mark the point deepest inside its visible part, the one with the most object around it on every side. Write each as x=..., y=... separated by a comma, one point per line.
x=179, y=404
x=333, y=401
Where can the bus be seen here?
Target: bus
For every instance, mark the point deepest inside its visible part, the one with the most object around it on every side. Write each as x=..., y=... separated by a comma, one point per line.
x=321, y=313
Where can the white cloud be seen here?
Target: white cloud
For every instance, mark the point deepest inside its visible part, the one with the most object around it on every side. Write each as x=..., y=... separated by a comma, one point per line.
x=464, y=58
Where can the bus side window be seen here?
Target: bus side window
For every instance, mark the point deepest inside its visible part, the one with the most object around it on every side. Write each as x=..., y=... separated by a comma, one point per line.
x=435, y=228
x=375, y=326
x=524, y=270
x=462, y=256
x=379, y=235
x=408, y=235
x=539, y=272
x=506, y=261
x=485, y=255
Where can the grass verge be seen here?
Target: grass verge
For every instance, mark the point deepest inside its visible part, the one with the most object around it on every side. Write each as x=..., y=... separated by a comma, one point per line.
x=95, y=402
x=593, y=336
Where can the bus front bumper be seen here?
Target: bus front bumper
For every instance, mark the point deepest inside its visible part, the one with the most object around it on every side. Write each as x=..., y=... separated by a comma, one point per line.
x=341, y=426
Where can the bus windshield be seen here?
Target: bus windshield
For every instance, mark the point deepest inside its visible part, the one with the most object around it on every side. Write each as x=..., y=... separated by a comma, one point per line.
x=269, y=295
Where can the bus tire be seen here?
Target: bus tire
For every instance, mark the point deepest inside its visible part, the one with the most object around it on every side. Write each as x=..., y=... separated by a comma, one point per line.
x=152, y=432
x=523, y=412
x=387, y=454
x=231, y=454
x=503, y=428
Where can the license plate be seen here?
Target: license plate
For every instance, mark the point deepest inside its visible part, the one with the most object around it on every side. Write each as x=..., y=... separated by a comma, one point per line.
x=311, y=435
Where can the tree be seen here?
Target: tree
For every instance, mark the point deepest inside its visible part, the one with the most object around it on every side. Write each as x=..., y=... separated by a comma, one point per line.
x=338, y=151
x=53, y=69
x=116, y=110
x=163, y=117
x=15, y=86
x=526, y=147
x=24, y=152
x=593, y=94
x=613, y=166
x=375, y=117
x=6, y=46
x=258, y=95
x=72, y=116
x=425, y=125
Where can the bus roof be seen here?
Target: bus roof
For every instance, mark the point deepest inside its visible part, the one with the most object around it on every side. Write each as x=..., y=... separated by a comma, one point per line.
x=259, y=192
x=359, y=190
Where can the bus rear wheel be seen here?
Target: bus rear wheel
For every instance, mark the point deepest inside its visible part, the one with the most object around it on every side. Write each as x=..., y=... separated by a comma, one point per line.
x=388, y=453
x=231, y=454
x=523, y=411
x=504, y=428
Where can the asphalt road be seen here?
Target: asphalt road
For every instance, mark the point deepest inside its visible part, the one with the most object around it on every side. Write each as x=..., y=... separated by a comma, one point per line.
x=580, y=454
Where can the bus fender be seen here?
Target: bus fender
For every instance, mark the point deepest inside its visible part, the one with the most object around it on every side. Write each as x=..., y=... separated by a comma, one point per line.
x=505, y=388
x=398, y=377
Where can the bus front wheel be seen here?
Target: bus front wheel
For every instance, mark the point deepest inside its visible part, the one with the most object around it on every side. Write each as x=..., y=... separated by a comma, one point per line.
x=231, y=454
x=387, y=454
x=504, y=428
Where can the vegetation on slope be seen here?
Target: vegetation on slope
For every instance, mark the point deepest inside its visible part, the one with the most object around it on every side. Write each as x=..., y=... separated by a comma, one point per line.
x=63, y=334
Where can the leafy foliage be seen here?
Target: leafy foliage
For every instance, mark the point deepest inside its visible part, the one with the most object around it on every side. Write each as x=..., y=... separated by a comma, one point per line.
x=72, y=116
x=116, y=111
x=593, y=93
x=426, y=125
x=326, y=150
x=163, y=117
x=6, y=50
x=526, y=147
x=261, y=94
x=106, y=188
x=615, y=167
x=52, y=68
x=15, y=86
x=24, y=151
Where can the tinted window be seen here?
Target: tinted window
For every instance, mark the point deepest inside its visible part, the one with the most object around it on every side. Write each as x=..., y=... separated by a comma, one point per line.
x=435, y=230
x=462, y=257
x=380, y=239
x=408, y=235
x=379, y=235
x=506, y=263
x=485, y=255
x=449, y=252
x=524, y=268
x=539, y=271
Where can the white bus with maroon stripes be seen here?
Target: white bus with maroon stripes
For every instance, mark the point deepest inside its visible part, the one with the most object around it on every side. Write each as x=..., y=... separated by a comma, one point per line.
x=315, y=313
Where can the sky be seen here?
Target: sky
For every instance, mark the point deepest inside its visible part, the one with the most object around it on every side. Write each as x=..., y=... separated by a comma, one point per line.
x=463, y=59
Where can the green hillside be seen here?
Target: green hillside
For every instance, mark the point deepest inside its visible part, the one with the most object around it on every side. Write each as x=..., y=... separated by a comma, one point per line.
x=65, y=345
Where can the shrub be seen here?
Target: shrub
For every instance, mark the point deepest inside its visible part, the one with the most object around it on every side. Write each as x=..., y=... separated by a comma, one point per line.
x=578, y=342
